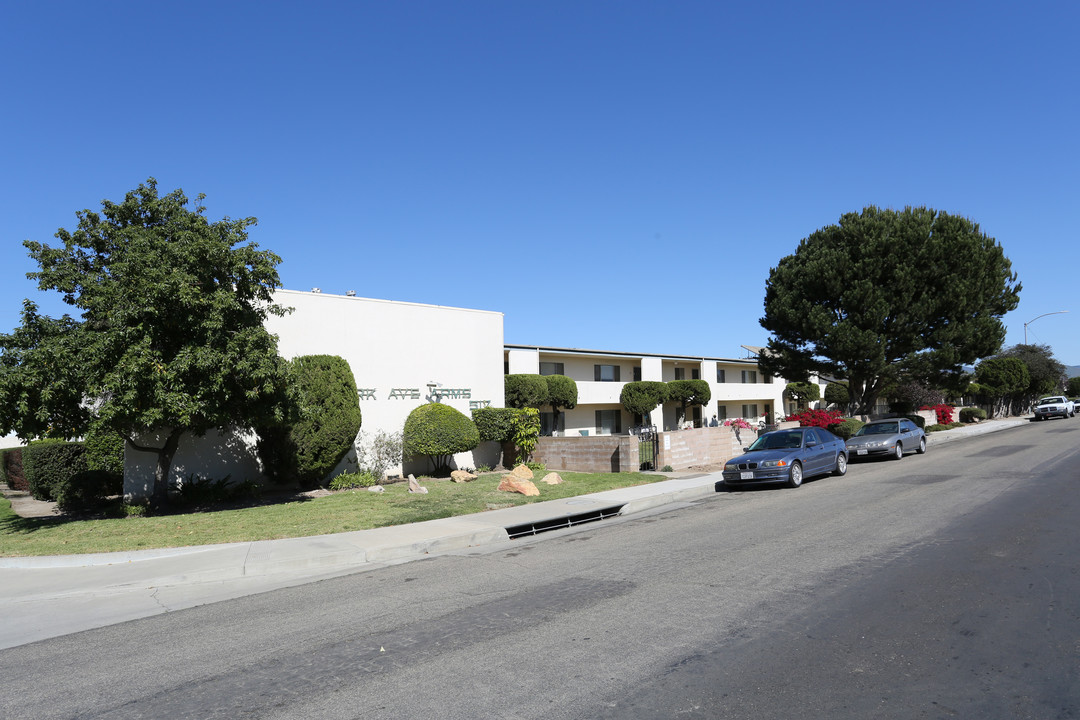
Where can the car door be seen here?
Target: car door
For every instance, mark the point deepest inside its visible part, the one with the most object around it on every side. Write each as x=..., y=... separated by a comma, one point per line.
x=817, y=453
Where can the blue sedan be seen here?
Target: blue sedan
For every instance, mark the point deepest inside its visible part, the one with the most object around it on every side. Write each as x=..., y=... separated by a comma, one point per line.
x=788, y=456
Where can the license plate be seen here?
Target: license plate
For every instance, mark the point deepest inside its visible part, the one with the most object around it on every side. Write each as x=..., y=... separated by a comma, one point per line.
x=746, y=476
x=860, y=452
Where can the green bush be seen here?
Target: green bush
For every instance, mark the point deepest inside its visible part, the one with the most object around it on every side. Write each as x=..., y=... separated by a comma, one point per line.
x=87, y=490
x=493, y=423
x=642, y=397
x=105, y=451
x=324, y=418
x=918, y=420
x=439, y=431
x=836, y=393
x=847, y=428
x=523, y=391
x=348, y=480
x=970, y=415
x=936, y=427
x=49, y=465
x=11, y=469
x=525, y=432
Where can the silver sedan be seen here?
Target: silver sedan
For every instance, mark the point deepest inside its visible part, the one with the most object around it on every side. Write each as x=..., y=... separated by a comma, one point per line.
x=892, y=437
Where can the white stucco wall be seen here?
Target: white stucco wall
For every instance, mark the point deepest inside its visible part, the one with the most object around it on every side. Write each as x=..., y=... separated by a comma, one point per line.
x=10, y=441
x=395, y=350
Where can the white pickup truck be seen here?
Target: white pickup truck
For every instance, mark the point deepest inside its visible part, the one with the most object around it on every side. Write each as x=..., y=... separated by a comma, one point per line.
x=1054, y=406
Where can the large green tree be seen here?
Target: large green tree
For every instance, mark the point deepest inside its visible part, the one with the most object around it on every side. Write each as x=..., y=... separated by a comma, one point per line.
x=1046, y=373
x=885, y=295
x=170, y=338
x=688, y=393
x=1001, y=380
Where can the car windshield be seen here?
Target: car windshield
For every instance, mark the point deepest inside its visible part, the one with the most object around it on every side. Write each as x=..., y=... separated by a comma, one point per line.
x=778, y=441
x=1051, y=400
x=877, y=429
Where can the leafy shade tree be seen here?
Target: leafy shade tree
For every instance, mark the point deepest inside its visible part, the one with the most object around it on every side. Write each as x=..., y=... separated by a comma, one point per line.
x=642, y=397
x=688, y=393
x=910, y=395
x=1002, y=379
x=324, y=419
x=171, y=337
x=836, y=393
x=1047, y=375
x=562, y=394
x=524, y=390
x=1073, y=387
x=439, y=431
x=803, y=393
x=886, y=292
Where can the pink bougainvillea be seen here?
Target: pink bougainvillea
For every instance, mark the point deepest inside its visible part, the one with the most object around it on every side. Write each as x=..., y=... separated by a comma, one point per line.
x=738, y=424
x=944, y=413
x=817, y=418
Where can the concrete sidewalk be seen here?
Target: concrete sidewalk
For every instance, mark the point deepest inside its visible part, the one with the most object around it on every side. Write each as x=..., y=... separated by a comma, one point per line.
x=43, y=597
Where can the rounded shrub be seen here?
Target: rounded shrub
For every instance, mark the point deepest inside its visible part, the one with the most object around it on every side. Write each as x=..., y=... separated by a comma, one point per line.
x=324, y=418
x=439, y=431
x=972, y=414
x=522, y=391
x=846, y=428
x=49, y=466
x=493, y=423
x=87, y=490
x=105, y=451
x=642, y=397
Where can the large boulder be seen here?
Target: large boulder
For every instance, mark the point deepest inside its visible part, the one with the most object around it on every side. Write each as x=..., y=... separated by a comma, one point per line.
x=462, y=476
x=512, y=484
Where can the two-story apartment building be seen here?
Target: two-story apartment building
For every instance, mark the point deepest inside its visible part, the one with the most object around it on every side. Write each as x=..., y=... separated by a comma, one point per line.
x=738, y=387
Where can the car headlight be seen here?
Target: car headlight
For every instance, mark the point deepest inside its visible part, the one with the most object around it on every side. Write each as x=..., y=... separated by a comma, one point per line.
x=773, y=463
x=731, y=467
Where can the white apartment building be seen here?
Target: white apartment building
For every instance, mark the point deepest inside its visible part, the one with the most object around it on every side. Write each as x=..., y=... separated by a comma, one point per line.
x=738, y=387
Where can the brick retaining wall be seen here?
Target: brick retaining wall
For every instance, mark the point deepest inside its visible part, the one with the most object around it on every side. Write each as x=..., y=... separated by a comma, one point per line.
x=607, y=453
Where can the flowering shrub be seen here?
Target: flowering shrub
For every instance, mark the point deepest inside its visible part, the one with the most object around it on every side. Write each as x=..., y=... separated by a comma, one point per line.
x=944, y=413
x=738, y=424
x=817, y=418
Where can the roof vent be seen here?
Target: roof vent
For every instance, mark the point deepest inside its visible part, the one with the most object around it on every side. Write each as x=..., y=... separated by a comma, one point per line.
x=316, y=290
x=350, y=293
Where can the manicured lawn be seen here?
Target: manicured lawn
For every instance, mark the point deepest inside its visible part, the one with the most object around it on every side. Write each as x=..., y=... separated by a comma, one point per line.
x=340, y=512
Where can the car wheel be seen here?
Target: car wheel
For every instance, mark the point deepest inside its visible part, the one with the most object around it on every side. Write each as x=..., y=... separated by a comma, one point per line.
x=922, y=446
x=899, y=452
x=841, y=465
x=795, y=479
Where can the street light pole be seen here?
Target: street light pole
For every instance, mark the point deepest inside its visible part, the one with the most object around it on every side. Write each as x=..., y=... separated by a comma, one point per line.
x=1056, y=312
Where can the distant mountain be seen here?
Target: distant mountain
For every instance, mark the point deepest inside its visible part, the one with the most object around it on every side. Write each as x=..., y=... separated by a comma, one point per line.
x=1072, y=370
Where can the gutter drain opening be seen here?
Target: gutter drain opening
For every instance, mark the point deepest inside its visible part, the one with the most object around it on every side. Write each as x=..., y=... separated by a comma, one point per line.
x=516, y=531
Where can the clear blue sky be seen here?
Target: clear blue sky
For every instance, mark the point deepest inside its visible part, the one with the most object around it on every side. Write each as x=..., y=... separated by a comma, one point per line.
x=610, y=175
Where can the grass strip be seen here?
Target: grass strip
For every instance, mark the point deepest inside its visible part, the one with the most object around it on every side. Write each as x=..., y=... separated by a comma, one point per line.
x=341, y=512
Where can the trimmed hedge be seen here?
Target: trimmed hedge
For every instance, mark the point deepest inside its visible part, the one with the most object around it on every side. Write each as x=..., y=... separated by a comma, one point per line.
x=439, y=431
x=50, y=465
x=972, y=414
x=325, y=418
x=846, y=428
x=105, y=451
x=643, y=396
x=494, y=424
x=87, y=490
x=525, y=390
x=11, y=470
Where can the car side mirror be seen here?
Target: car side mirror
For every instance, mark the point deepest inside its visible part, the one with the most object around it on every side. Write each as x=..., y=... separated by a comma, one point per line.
x=811, y=443
x=746, y=449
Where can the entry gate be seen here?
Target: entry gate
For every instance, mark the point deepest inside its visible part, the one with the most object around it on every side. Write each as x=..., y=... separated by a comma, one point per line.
x=648, y=445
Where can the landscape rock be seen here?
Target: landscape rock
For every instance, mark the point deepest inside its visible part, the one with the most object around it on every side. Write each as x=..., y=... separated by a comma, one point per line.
x=462, y=476
x=512, y=484
x=415, y=487
x=552, y=478
x=376, y=488
x=522, y=472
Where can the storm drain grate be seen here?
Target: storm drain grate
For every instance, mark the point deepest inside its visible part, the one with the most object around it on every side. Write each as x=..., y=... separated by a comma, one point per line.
x=516, y=531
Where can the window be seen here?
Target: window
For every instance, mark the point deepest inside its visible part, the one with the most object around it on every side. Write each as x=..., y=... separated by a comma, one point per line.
x=680, y=373
x=696, y=415
x=606, y=373
x=749, y=411
x=720, y=375
x=721, y=412
x=608, y=422
x=637, y=374
x=551, y=368
x=749, y=376
x=547, y=422
x=695, y=373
